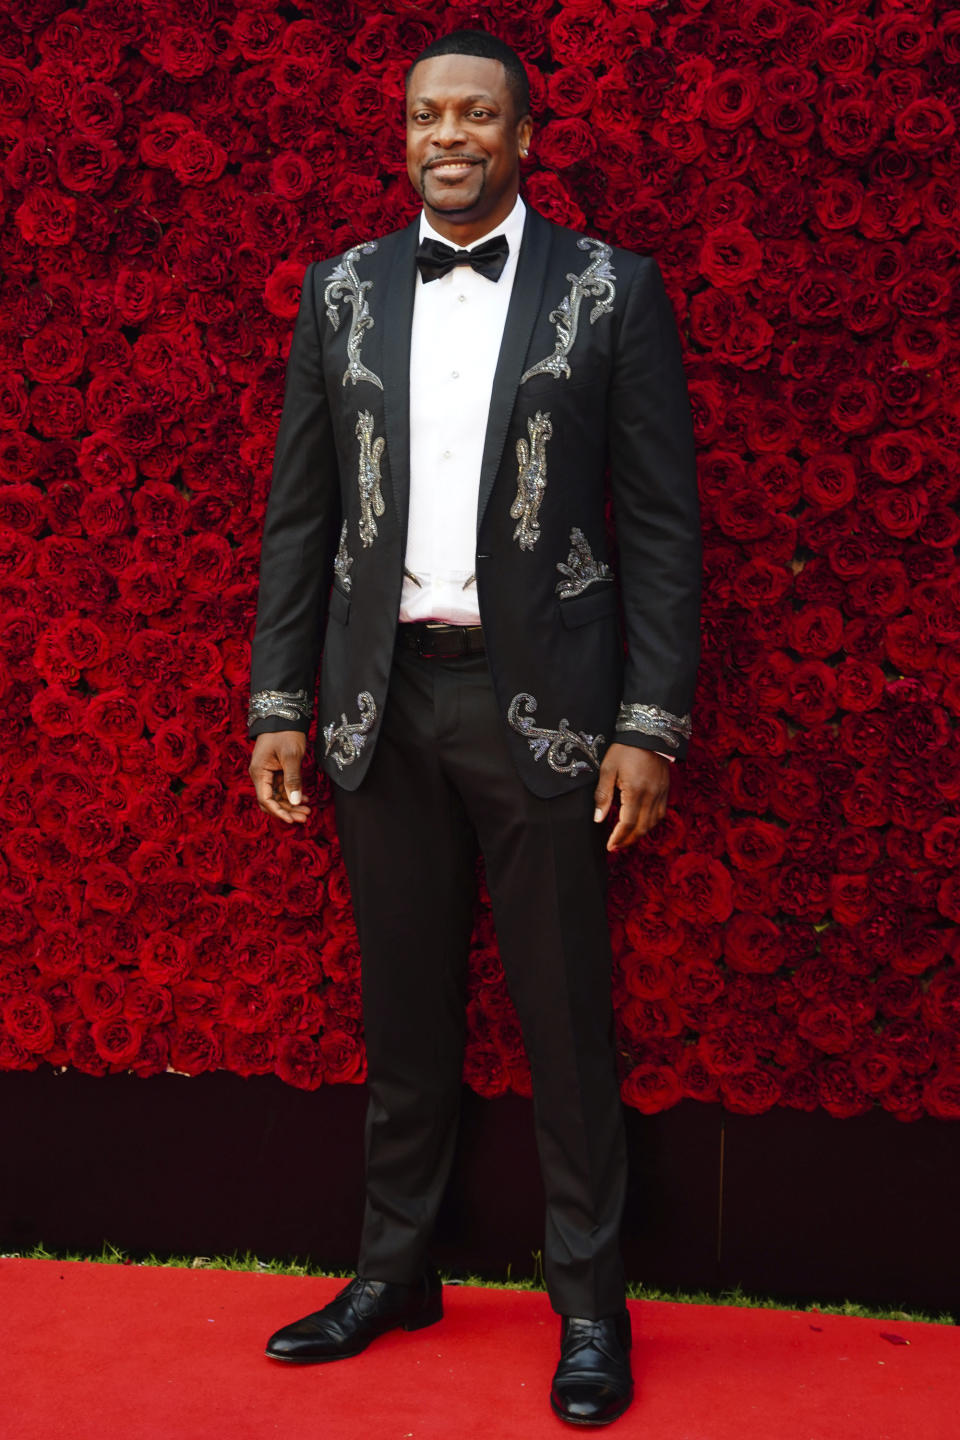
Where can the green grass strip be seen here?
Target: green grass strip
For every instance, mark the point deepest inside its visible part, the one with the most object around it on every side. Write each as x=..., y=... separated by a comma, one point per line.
x=112, y=1255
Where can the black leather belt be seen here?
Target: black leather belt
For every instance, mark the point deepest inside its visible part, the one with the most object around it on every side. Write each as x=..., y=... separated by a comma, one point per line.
x=436, y=640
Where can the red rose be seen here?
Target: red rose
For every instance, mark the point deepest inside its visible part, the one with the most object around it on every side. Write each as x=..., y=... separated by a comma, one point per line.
x=249, y=1054
x=342, y=1057
x=86, y=164
x=153, y=1055
x=697, y=1081
x=817, y=630
x=829, y=480
x=811, y=698
x=46, y=217
x=850, y=127
x=755, y=845
x=860, y=684
x=651, y=1088
x=750, y=1092
x=910, y=1042
x=143, y=1002
x=644, y=1018
x=839, y=1092
x=566, y=142
x=802, y=891
x=799, y=1091
x=948, y=898
x=118, y=1040
x=82, y=1052
x=925, y=126
x=164, y=959
x=855, y=406
x=701, y=888
x=29, y=1023
x=730, y=255
x=249, y=1007
x=548, y=195
x=941, y=1095
x=570, y=89
x=186, y=52
x=731, y=99
x=752, y=944
x=109, y=887
x=193, y=1049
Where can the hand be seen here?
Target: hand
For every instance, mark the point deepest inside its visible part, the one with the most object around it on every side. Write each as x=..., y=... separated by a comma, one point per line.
x=643, y=779
x=275, y=772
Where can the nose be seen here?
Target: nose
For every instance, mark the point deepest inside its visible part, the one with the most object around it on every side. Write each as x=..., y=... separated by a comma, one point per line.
x=449, y=129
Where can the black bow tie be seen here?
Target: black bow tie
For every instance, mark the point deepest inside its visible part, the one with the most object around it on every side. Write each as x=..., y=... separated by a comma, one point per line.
x=435, y=259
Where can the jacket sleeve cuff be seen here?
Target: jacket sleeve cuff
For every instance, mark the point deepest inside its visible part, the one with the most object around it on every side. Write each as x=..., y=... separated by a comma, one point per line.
x=653, y=728
x=283, y=709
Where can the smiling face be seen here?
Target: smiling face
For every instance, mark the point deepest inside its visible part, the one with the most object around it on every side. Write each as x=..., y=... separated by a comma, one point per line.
x=463, y=144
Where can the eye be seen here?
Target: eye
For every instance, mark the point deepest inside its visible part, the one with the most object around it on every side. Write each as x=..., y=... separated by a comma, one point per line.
x=479, y=114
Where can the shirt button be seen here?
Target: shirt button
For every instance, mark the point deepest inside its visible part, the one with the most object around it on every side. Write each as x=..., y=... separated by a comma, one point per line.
x=462, y=299
x=455, y=374
x=446, y=454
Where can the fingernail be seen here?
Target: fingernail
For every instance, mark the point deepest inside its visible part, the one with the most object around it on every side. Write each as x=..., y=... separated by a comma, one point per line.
x=294, y=797
x=598, y=814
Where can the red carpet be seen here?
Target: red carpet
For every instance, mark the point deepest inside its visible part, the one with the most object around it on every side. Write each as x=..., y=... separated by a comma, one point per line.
x=111, y=1352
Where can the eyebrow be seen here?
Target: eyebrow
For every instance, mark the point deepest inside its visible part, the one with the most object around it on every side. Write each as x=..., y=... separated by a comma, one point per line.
x=470, y=99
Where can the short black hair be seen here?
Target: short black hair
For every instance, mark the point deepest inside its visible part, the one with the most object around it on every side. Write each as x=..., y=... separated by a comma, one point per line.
x=488, y=47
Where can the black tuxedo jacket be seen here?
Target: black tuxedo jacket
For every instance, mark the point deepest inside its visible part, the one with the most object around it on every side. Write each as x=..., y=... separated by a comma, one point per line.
x=589, y=381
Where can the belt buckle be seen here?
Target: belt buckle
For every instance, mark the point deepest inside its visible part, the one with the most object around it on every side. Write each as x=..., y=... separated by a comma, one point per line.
x=422, y=641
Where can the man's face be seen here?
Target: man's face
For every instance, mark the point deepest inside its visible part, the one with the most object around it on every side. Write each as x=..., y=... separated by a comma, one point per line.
x=464, y=143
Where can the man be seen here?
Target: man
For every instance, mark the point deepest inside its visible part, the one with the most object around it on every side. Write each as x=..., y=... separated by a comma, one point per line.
x=436, y=527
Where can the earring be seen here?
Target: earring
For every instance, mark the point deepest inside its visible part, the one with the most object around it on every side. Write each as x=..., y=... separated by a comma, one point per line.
x=524, y=153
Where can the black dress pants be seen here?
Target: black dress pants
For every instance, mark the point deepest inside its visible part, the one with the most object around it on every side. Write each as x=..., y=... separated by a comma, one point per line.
x=440, y=787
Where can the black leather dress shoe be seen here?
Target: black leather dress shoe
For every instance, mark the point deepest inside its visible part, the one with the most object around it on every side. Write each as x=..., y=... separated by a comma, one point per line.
x=593, y=1384
x=359, y=1313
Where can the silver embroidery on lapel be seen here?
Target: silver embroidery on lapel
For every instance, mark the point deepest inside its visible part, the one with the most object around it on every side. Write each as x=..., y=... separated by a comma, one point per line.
x=560, y=746
x=368, y=477
x=343, y=561
x=346, y=740
x=651, y=720
x=285, y=704
x=581, y=568
x=598, y=281
x=531, y=480
x=343, y=283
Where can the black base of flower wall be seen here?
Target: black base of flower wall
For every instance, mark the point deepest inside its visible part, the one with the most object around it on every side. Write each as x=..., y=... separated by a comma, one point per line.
x=802, y=1206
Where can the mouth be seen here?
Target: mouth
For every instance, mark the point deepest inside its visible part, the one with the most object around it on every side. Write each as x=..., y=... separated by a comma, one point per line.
x=452, y=169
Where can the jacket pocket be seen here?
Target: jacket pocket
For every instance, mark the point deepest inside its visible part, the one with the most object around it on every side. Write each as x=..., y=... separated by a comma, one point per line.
x=594, y=604
x=545, y=387
x=339, y=607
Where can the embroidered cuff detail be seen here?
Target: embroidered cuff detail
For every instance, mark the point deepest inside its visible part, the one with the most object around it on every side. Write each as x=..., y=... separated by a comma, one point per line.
x=287, y=704
x=651, y=720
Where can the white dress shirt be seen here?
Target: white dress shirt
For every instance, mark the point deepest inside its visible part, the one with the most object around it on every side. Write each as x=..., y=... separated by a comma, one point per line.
x=458, y=325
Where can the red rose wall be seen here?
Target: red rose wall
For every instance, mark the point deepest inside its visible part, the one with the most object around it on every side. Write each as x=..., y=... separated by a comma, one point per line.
x=788, y=935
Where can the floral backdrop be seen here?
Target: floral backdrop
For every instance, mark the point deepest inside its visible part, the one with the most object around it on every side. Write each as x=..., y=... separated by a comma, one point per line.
x=788, y=935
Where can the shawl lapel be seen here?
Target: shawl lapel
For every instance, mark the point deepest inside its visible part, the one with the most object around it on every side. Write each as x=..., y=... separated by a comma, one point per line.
x=525, y=301
x=524, y=308
x=397, y=323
